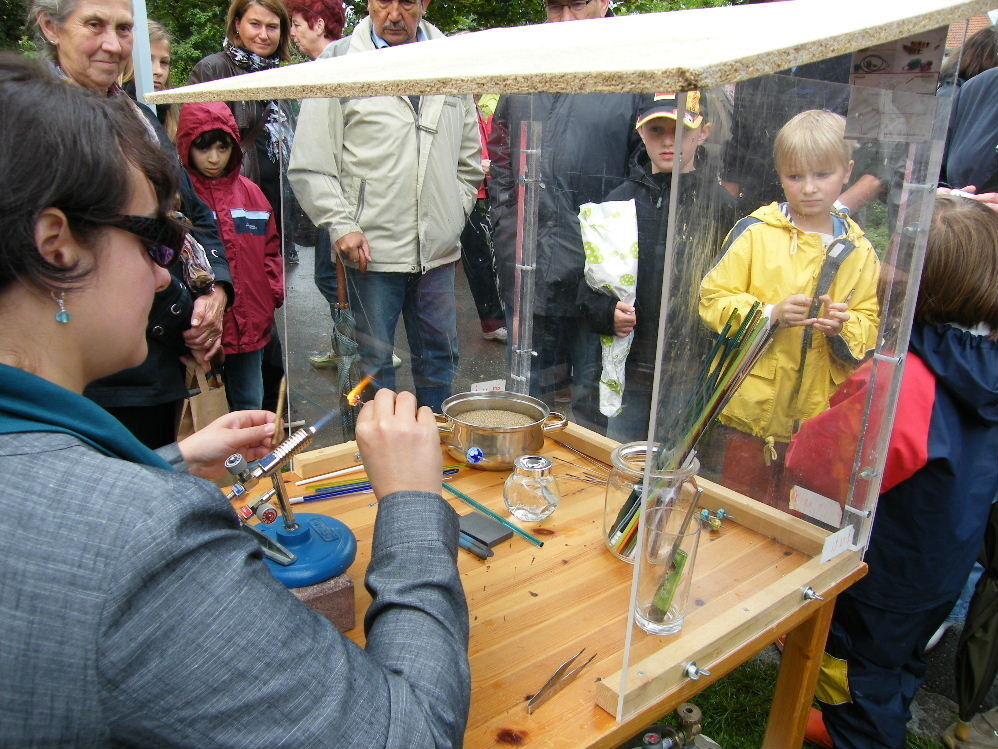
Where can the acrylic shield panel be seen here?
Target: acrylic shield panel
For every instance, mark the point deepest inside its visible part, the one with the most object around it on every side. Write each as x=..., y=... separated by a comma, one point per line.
x=584, y=213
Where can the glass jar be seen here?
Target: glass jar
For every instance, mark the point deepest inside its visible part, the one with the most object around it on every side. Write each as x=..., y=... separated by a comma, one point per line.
x=531, y=491
x=623, y=494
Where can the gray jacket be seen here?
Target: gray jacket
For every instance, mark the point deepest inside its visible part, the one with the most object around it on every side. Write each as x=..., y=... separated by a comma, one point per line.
x=136, y=614
x=406, y=179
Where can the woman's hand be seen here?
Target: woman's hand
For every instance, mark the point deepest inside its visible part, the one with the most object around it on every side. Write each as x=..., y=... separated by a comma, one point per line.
x=246, y=432
x=624, y=319
x=399, y=445
x=204, y=337
x=990, y=199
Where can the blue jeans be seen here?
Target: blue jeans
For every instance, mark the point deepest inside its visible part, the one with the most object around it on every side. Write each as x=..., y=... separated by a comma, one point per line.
x=325, y=267
x=428, y=305
x=568, y=354
x=244, y=380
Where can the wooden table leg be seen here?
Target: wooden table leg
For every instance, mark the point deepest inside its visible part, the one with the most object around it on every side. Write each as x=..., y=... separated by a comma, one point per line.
x=797, y=679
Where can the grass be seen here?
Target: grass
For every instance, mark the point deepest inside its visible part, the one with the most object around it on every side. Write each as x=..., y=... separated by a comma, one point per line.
x=873, y=221
x=736, y=708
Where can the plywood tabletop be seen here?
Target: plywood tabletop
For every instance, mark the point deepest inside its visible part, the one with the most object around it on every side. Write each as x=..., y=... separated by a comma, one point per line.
x=679, y=50
x=533, y=608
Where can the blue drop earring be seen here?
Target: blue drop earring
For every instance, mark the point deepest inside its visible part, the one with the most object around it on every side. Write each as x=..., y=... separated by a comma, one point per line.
x=62, y=316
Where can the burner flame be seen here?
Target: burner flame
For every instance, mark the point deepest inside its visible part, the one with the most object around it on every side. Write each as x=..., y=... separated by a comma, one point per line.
x=353, y=397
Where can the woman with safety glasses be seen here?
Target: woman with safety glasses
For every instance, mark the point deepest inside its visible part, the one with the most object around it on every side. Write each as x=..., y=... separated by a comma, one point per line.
x=126, y=586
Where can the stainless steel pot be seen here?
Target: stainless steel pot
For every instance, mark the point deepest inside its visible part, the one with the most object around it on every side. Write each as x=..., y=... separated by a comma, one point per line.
x=495, y=448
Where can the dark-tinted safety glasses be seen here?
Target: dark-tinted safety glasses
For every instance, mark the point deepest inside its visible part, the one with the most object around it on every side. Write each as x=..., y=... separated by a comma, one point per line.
x=163, y=237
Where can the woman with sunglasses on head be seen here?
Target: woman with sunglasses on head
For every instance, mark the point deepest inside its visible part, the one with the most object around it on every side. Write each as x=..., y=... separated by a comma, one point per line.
x=125, y=585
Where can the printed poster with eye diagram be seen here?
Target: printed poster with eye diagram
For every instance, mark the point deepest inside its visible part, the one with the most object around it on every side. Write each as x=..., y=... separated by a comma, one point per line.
x=896, y=84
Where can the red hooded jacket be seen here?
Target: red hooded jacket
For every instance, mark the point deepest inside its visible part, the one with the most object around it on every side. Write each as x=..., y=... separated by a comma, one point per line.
x=248, y=230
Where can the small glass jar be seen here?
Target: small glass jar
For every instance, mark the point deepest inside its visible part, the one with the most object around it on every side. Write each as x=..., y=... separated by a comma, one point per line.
x=531, y=491
x=623, y=494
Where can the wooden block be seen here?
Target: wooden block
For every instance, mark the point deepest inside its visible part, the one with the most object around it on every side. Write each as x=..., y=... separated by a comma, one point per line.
x=592, y=444
x=763, y=519
x=333, y=599
x=325, y=460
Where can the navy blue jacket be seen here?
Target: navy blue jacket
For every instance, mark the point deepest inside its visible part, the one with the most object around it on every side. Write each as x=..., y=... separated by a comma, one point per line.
x=941, y=472
x=972, y=145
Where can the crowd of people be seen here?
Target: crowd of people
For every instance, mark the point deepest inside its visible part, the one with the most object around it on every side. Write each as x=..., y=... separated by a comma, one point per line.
x=163, y=242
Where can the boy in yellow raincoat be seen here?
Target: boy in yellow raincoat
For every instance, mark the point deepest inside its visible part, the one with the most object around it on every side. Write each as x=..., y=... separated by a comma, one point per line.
x=816, y=274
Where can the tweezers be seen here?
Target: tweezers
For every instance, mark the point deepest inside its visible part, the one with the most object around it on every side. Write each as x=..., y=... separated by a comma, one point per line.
x=561, y=678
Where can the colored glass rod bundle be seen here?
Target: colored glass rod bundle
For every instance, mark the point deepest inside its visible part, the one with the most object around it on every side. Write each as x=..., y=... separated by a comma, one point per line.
x=735, y=352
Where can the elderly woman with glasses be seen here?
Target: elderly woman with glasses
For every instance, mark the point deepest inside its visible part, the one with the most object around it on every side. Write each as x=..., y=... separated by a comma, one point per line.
x=127, y=586
x=87, y=42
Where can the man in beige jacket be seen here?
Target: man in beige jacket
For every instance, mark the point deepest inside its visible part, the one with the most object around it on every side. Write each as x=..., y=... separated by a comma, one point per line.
x=392, y=179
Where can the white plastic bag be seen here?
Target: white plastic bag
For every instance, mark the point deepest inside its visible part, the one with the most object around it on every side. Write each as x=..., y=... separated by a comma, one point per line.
x=610, y=241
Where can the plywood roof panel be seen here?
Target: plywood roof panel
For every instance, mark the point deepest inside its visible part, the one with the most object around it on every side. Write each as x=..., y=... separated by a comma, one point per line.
x=680, y=50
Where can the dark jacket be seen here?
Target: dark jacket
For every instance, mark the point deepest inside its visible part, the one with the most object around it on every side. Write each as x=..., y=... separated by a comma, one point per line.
x=160, y=378
x=249, y=232
x=940, y=476
x=971, y=156
x=706, y=211
x=586, y=140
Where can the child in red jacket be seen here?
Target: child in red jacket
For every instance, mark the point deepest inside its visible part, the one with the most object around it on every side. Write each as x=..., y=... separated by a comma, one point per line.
x=939, y=480
x=208, y=142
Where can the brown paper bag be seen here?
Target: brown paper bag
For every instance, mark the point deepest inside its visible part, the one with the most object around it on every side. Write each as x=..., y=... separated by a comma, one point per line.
x=202, y=408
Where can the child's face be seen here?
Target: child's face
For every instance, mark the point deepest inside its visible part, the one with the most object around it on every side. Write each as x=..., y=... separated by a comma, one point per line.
x=212, y=161
x=812, y=190
x=659, y=137
x=160, y=64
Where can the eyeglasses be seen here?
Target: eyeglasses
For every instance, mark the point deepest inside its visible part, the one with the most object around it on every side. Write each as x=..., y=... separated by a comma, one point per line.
x=555, y=9
x=163, y=237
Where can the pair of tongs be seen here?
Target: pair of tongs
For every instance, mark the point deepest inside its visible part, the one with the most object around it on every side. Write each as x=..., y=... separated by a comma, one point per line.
x=561, y=678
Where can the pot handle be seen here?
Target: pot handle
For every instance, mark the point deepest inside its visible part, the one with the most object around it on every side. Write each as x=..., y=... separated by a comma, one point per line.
x=444, y=425
x=555, y=422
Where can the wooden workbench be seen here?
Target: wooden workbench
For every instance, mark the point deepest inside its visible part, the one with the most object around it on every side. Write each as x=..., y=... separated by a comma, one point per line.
x=533, y=608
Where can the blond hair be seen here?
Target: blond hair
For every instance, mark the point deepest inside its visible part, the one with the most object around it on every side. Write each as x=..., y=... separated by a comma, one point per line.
x=813, y=138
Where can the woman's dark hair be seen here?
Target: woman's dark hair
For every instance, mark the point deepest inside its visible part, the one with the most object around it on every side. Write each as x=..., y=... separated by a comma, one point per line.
x=331, y=13
x=72, y=152
x=960, y=275
x=210, y=137
x=980, y=53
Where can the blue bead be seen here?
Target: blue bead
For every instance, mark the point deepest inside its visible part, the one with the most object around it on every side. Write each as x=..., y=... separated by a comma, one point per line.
x=63, y=316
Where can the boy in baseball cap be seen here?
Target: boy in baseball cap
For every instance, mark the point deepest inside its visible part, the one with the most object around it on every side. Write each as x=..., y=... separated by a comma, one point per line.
x=705, y=213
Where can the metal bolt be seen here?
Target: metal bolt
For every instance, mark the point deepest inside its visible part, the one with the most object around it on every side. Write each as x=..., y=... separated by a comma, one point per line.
x=689, y=714
x=810, y=595
x=695, y=672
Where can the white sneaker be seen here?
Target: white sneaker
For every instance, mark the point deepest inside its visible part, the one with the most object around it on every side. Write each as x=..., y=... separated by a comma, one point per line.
x=499, y=334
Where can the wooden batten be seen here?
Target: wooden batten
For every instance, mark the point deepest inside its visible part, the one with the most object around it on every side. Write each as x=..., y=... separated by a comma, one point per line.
x=680, y=50
x=325, y=460
x=664, y=671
